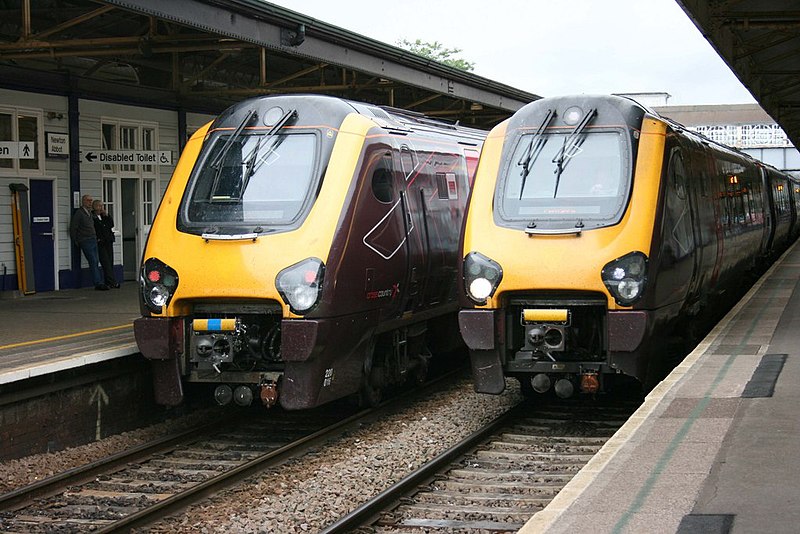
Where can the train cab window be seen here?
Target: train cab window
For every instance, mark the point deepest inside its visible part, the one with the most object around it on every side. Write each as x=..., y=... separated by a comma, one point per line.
x=254, y=180
x=557, y=180
x=383, y=179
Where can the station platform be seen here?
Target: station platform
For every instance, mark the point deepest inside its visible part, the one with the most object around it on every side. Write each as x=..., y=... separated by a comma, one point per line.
x=714, y=447
x=59, y=330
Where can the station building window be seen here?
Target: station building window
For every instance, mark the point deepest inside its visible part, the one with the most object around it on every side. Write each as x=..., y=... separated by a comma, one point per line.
x=18, y=125
x=126, y=135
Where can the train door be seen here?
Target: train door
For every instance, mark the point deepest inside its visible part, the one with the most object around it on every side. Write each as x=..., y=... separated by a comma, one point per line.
x=679, y=233
x=129, y=228
x=413, y=183
x=385, y=233
x=770, y=221
x=445, y=201
x=42, y=235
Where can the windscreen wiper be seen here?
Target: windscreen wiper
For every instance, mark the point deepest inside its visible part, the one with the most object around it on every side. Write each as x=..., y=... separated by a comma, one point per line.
x=250, y=166
x=216, y=164
x=532, y=152
x=569, y=149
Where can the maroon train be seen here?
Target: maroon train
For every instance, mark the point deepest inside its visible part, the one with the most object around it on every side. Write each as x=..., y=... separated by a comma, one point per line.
x=305, y=250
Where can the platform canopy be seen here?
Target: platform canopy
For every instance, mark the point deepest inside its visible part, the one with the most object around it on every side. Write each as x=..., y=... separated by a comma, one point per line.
x=204, y=55
x=760, y=42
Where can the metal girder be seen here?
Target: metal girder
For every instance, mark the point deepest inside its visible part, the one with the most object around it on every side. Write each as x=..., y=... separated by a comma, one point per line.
x=70, y=23
x=255, y=22
x=760, y=42
x=206, y=61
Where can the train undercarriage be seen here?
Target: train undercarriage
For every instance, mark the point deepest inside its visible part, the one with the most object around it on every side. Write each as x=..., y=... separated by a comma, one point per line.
x=245, y=358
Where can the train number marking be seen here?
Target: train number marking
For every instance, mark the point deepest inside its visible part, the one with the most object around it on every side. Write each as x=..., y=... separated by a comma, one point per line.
x=328, y=377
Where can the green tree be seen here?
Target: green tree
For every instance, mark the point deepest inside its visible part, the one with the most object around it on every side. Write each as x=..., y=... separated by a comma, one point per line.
x=437, y=52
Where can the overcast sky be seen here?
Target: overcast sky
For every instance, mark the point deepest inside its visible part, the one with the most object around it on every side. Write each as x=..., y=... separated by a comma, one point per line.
x=555, y=47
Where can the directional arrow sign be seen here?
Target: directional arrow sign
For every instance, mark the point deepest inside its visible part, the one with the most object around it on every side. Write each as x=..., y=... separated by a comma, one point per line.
x=129, y=157
x=99, y=396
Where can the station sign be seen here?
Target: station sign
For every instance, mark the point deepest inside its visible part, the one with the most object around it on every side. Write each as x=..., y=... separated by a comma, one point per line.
x=128, y=157
x=57, y=144
x=14, y=150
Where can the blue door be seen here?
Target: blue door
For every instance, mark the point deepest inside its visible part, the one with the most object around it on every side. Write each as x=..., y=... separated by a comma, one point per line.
x=42, y=235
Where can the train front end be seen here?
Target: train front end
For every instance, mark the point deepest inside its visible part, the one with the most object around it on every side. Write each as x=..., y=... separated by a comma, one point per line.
x=556, y=250
x=236, y=257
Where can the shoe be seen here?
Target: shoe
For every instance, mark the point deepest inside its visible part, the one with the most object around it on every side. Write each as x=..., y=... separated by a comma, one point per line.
x=101, y=287
x=115, y=285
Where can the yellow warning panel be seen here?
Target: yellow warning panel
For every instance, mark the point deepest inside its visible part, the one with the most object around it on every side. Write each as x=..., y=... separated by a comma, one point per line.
x=545, y=316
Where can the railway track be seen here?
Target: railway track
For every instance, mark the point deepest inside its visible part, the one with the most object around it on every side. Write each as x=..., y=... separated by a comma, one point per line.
x=138, y=487
x=497, y=478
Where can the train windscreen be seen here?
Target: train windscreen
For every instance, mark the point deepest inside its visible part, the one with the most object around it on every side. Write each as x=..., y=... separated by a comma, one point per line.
x=558, y=177
x=253, y=180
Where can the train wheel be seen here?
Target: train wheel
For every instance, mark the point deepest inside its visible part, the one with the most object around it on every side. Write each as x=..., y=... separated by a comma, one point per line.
x=371, y=395
x=420, y=373
x=371, y=392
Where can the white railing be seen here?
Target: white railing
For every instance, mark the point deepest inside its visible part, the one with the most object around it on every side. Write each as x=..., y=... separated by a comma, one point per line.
x=746, y=135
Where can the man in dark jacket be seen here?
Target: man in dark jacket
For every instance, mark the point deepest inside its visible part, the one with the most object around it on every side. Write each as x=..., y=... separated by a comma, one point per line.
x=104, y=228
x=82, y=233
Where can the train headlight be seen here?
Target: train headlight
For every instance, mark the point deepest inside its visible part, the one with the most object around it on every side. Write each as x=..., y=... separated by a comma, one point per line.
x=626, y=278
x=301, y=284
x=158, y=282
x=481, y=277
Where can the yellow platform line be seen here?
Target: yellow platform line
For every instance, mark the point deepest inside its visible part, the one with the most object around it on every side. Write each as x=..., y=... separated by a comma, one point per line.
x=66, y=336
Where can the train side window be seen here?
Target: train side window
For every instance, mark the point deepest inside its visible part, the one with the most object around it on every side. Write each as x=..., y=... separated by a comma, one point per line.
x=383, y=180
x=447, y=185
x=678, y=177
x=408, y=161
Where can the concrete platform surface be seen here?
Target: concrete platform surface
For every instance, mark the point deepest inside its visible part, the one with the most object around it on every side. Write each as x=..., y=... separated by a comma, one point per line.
x=54, y=331
x=714, y=447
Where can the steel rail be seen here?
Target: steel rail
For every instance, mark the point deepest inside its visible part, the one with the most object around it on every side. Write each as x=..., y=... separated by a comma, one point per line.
x=225, y=480
x=25, y=495
x=372, y=508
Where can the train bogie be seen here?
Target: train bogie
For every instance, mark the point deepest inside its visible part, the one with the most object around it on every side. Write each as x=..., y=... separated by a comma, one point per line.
x=305, y=250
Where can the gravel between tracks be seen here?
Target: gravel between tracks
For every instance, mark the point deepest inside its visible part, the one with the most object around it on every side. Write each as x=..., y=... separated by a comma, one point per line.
x=309, y=494
x=30, y=469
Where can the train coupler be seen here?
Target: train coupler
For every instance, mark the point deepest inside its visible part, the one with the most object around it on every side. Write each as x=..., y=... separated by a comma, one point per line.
x=590, y=382
x=268, y=392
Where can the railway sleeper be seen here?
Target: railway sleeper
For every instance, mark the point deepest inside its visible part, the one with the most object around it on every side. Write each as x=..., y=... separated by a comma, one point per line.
x=124, y=497
x=537, y=441
x=499, y=454
x=546, y=448
x=138, y=486
x=93, y=512
x=518, y=487
x=468, y=513
x=495, y=499
x=413, y=526
x=528, y=465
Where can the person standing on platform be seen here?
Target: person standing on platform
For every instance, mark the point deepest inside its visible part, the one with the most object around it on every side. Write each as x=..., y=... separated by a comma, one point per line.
x=104, y=228
x=82, y=233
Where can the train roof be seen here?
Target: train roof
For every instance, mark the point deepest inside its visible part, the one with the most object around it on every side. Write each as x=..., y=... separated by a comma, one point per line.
x=393, y=119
